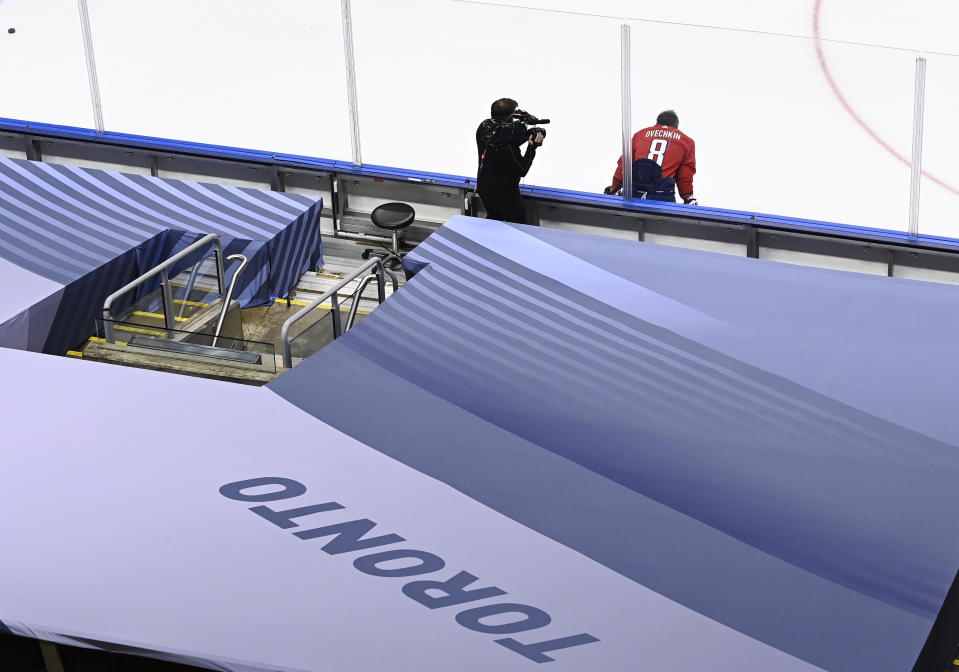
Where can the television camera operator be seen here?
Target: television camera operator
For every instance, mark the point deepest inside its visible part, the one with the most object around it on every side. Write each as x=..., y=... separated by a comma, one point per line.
x=502, y=164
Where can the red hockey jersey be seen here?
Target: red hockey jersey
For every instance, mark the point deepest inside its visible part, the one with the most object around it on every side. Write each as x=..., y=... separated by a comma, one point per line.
x=672, y=149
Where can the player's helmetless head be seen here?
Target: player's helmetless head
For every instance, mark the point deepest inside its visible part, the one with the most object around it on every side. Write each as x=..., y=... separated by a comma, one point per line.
x=502, y=108
x=668, y=118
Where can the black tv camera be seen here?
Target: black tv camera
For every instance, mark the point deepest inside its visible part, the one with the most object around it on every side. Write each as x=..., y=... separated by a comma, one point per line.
x=515, y=129
x=526, y=118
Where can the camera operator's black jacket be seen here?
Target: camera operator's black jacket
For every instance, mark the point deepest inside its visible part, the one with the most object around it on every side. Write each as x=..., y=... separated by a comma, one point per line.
x=500, y=171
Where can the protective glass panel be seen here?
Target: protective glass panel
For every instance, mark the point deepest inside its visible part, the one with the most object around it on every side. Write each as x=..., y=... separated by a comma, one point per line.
x=315, y=329
x=785, y=16
x=147, y=311
x=42, y=63
x=313, y=332
x=789, y=126
x=939, y=192
x=244, y=73
x=194, y=289
x=438, y=65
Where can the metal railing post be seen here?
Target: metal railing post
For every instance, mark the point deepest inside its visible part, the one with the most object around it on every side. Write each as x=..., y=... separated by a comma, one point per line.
x=915, y=177
x=354, y=306
x=351, y=81
x=107, y=325
x=381, y=283
x=380, y=275
x=167, y=294
x=626, y=87
x=393, y=281
x=220, y=273
x=337, y=320
x=189, y=288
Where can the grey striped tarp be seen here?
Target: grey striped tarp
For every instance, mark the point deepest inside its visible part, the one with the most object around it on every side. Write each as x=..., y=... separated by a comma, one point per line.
x=94, y=230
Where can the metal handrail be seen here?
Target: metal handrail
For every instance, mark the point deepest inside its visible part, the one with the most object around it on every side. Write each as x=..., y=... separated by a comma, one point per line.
x=331, y=294
x=161, y=270
x=357, y=295
x=229, y=294
x=392, y=276
x=189, y=287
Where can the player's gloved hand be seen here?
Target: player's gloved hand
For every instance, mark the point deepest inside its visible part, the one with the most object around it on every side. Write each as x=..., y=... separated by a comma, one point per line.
x=614, y=192
x=691, y=201
x=536, y=136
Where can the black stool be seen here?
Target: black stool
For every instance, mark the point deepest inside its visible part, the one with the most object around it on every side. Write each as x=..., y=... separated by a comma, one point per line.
x=392, y=217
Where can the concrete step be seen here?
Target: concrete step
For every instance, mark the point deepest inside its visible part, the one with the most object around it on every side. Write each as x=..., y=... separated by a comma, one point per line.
x=174, y=362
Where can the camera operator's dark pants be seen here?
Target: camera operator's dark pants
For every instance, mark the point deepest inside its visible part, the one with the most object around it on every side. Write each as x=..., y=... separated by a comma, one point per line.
x=505, y=206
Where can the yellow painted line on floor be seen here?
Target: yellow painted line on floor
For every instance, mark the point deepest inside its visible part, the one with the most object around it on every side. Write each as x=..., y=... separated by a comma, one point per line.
x=322, y=305
x=143, y=313
x=330, y=275
x=74, y=353
x=138, y=330
x=103, y=340
x=191, y=303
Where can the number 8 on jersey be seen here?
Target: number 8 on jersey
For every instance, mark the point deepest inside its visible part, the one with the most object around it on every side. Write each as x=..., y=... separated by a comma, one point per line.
x=657, y=150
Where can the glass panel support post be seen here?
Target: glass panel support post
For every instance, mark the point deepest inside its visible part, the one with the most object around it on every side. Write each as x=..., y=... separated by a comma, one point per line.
x=915, y=178
x=626, y=93
x=351, y=81
x=91, y=65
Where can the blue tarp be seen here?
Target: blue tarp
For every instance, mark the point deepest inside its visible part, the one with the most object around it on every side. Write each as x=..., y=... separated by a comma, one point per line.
x=591, y=453
x=769, y=445
x=93, y=231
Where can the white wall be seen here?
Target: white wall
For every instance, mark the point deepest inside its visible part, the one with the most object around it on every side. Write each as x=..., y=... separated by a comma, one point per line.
x=774, y=134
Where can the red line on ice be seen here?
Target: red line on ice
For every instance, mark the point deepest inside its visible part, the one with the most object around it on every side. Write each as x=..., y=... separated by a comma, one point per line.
x=852, y=112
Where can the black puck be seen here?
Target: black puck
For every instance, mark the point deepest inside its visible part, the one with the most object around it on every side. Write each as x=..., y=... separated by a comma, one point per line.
x=11, y=30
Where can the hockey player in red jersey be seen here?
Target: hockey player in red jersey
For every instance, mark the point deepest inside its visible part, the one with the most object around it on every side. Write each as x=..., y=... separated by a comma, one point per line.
x=664, y=158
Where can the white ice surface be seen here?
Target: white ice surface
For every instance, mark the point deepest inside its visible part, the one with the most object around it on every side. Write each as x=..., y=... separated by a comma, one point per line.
x=773, y=134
